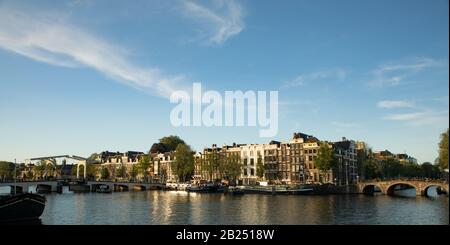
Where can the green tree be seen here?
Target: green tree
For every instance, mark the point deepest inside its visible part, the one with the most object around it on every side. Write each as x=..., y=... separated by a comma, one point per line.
x=213, y=164
x=260, y=169
x=391, y=168
x=144, y=166
x=171, y=142
x=158, y=148
x=93, y=158
x=183, y=165
x=372, y=168
x=121, y=171
x=232, y=167
x=443, y=151
x=39, y=170
x=133, y=172
x=29, y=175
x=325, y=157
x=426, y=170
x=104, y=174
x=411, y=170
x=91, y=170
x=6, y=170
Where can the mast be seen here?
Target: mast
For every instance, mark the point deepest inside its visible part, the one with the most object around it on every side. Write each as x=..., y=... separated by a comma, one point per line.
x=15, y=188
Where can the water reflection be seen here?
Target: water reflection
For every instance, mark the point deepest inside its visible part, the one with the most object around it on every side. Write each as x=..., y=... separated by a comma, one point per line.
x=159, y=207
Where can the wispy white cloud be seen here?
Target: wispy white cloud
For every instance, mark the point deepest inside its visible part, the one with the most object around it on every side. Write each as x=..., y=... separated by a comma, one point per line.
x=47, y=38
x=394, y=73
x=389, y=104
x=337, y=74
x=420, y=118
x=221, y=20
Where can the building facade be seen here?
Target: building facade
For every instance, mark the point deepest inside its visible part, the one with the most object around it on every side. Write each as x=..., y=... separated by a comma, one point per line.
x=345, y=172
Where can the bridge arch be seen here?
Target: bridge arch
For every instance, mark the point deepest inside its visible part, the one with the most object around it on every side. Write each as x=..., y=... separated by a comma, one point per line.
x=43, y=188
x=370, y=189
x=391, y=188
x=19, y=189
x=427, y=187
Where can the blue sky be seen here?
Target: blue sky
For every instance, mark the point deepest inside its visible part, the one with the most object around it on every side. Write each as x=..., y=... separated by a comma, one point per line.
x=83, y=76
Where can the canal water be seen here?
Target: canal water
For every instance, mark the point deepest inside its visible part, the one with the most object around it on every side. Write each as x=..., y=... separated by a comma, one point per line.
x=171, y=207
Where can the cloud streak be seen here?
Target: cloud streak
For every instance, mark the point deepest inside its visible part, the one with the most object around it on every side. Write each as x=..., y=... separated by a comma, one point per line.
x=391, y=104
x=301, y=80
x=221, y=21
x=420, y=118
x=394, y=73
x=46, y=38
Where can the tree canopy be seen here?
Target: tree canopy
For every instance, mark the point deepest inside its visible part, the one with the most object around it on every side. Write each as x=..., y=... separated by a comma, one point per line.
x=158, y=147
x=183, y=165
x=171, y=142
x=231, y=166
x=6, y=170
x=325, y=157
x=144, y=165
x=443, y=151
x=166, y=144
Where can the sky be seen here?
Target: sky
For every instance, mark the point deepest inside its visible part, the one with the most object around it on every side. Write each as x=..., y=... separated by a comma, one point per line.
x=82, y=76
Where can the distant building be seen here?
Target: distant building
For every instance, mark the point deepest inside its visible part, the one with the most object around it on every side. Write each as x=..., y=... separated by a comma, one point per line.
x=383, y=155
x=251, y=155
x=346, y=170
x=362, y=153
x=162, y=165
x=112, y=161
x=404, y=158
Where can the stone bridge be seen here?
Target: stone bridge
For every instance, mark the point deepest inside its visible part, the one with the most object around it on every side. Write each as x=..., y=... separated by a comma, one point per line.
x=387, y=187
x=25, y=186
x=125, y=186
x=53, y=186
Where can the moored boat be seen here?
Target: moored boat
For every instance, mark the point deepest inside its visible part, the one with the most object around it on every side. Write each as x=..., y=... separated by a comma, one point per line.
x=21, y=207
x=300, y=190
x=236, y=191
x=203, y=189
x=103, y=189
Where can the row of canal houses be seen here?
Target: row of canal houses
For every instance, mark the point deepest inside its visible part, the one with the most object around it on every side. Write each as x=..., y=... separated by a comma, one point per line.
x=288, y=162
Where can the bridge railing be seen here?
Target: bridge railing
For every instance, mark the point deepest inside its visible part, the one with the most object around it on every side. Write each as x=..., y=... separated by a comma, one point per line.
x=405, y=179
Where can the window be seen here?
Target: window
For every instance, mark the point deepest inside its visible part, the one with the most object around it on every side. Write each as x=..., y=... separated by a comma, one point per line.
x=252, y=162
x=245, y=161
x=251, y=153
x=310, y=158
x=314, y=151
x=245, y=172
x=252, y=172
